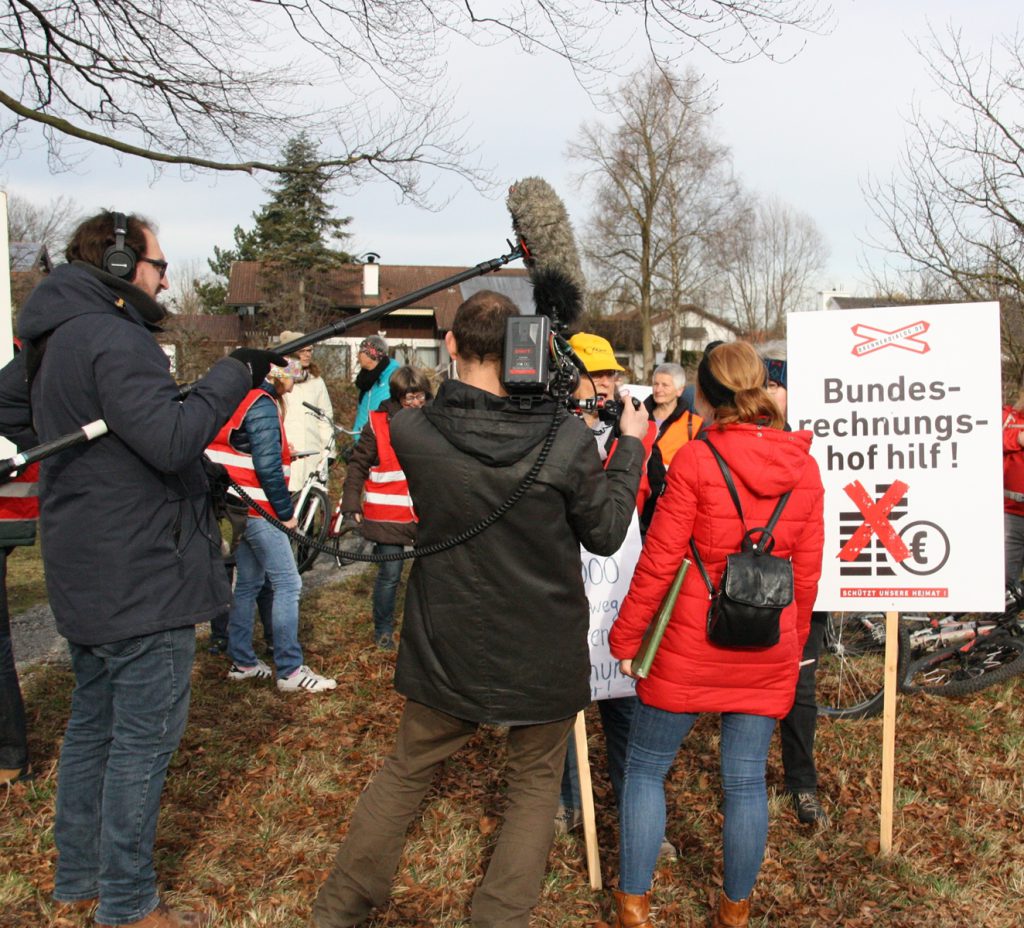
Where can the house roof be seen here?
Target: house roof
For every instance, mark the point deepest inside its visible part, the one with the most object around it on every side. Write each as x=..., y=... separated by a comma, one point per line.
x=345, y=287
x=222, y=327
x=877, y=302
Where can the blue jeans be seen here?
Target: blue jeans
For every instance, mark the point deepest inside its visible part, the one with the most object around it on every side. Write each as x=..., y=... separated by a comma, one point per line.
x=389, y=574
x=264, y=608
x=616, y=717
x=654, y=741
x=13, y=735
x=263, y=553
x=128, y=712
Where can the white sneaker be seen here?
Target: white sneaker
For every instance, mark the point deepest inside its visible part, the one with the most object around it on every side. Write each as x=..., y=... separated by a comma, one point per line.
x=305, y=679
x=260, y=672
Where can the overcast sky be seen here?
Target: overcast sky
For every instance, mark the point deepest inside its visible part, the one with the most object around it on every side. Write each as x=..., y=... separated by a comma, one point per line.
x=808, y=131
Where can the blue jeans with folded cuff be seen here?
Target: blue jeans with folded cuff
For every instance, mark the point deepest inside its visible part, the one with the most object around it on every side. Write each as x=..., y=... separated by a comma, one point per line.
x=265, y=552
x=128, y=712
x=654, y=741
x=385, y=591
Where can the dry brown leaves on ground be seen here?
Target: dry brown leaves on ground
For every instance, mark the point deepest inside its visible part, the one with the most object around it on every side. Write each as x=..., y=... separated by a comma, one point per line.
x=260, y=793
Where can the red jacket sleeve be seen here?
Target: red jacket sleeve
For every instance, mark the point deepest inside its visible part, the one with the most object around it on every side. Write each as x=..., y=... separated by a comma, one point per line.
x=666, y=545
x=807, y=556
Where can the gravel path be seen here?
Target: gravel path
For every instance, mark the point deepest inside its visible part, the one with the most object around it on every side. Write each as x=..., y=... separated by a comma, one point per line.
x=36, y=640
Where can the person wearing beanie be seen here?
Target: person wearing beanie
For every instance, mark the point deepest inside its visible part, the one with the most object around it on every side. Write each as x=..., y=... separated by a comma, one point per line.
x=798, y=728
x=374, y=377
x=305, y=431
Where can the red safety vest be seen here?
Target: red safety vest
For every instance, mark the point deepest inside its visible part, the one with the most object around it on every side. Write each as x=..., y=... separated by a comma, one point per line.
x=238, y=463
x=19, y=506
x=386, y=491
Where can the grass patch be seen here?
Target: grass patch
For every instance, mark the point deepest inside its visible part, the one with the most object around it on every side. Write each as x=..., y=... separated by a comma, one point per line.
x=261, y=792
x=25, y=584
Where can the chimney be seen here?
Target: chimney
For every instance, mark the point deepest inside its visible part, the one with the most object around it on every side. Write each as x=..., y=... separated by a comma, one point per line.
x=371, y=275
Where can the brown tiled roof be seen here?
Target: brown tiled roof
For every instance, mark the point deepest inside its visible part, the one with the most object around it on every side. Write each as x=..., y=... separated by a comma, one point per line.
x=345, y=287
x=225, y=327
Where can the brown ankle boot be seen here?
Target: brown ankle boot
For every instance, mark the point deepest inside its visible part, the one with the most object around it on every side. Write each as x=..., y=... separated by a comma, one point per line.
x=632, y=911
x=731, y=914
x=164, y=917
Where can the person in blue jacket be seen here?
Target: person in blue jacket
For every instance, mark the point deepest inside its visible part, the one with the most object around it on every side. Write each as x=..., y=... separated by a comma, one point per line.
x=253, y=447
x=374, y=377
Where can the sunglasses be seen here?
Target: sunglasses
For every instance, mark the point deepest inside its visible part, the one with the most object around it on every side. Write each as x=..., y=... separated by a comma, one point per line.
x=161, y=266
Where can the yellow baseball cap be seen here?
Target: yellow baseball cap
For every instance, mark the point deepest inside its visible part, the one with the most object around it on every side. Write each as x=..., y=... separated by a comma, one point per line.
x=595, y=352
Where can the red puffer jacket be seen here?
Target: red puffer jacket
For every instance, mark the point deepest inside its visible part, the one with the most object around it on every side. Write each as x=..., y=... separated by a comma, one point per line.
x=1013, y=460
x=690, y=674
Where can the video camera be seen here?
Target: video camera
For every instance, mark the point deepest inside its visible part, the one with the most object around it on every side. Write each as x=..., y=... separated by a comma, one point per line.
x=537, y=361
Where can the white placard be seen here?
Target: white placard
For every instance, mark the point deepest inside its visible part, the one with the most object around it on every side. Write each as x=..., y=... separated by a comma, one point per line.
x=904, y=405
x=607, y=581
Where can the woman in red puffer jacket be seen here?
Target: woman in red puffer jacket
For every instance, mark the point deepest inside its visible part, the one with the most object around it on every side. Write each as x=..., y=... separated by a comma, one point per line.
x=751, y=688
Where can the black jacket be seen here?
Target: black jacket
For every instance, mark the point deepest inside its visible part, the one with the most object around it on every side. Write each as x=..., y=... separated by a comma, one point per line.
x=130, y=546
x=496, y=628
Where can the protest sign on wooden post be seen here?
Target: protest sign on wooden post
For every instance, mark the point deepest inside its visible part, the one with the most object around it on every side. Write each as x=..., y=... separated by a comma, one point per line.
x=904, y=406
x=606, y=580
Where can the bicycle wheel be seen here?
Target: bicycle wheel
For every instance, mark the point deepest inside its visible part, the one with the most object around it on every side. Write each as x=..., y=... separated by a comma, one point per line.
x=851, y=669
x=967, y=668
x=312, y=520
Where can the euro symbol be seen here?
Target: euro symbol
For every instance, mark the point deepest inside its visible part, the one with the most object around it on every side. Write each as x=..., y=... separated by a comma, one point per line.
x=917, y=547
x=924, y=534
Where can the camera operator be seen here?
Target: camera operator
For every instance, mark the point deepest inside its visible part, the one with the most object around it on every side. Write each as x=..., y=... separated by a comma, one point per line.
x=495, y=629
x=130, y=547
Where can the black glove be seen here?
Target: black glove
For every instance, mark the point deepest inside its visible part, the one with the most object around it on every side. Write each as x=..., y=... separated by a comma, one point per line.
x=258, y=362
x=350, y=525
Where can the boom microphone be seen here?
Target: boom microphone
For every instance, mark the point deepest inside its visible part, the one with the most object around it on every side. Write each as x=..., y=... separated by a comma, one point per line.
x=542, y=227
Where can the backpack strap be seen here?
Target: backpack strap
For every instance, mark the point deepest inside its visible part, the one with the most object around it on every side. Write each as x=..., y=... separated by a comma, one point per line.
x=766, y=531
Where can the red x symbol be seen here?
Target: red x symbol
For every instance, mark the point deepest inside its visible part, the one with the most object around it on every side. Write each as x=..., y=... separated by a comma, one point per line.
x=876, y=521
x=905, y=338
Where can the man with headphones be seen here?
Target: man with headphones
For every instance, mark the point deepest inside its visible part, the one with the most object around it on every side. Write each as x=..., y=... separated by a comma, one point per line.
x=130, y=547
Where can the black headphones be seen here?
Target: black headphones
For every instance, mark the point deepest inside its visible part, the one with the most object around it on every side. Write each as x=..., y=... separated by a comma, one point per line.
x=119, y=259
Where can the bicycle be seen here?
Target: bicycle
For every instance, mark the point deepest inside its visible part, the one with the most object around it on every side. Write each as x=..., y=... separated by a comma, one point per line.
x=312, y=503
x=944, y=655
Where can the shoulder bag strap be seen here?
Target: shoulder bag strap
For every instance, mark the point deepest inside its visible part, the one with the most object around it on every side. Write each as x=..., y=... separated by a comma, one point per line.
x=727, y=474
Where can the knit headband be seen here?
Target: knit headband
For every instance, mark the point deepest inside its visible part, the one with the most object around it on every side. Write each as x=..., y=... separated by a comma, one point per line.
x=716, y=393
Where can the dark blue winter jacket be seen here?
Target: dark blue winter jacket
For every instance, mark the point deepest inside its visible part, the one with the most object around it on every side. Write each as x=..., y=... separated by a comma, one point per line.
x=130, y=545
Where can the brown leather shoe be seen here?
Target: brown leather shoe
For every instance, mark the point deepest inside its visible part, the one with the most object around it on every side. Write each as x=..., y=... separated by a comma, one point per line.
x=632, y=911
x=11, y=775
x=731, y=914
x=79, y=905
x=164, y=917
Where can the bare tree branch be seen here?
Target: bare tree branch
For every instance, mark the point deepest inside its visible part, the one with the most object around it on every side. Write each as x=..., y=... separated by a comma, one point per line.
x=953, y=213
x=214, y=84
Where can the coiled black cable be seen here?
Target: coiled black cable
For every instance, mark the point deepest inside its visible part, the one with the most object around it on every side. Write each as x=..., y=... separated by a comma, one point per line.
x=438, y=546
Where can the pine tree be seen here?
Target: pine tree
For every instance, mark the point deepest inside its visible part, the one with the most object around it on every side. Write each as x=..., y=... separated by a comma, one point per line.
x=296, y=239
x=292, y=230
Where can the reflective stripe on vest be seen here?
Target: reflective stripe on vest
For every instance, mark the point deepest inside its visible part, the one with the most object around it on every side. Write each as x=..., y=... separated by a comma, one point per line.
x=19, y=497
x=386, y=491
x=239, y=465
